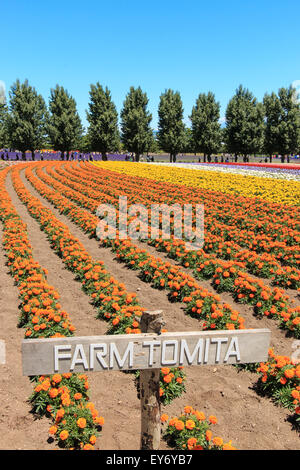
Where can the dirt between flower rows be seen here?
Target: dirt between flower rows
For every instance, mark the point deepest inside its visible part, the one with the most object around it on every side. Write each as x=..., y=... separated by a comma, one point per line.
x=249, y=420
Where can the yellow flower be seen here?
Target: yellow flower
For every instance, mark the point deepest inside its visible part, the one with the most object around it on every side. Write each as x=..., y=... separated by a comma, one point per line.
x=281, y=191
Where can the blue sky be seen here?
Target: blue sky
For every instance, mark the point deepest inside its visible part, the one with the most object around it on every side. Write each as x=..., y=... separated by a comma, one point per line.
x=190, y=46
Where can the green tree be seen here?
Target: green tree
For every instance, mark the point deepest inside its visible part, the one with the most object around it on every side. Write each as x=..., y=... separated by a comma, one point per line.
x=289, y=125
x=171, y=129
x=64, y=125
x=153, y=145
x=273, y=113
x=26, y=120
x=206, y=128
x=189, y=141
x=244, y=123
x=103, y=121
x=136, y=133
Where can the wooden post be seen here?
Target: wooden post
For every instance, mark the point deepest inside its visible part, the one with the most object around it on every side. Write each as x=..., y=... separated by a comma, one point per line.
x=151, y=322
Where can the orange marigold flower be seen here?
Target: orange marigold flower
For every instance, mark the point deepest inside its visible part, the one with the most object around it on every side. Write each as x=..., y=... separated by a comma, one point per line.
x=38, y=388
x=172, y=421
x=192, y=441
x=167, y=379
x=53, y=392
x=190, y=424
x=200, y=415
x=289, y=373
x=188, y=409
x=88, y=447
x=212, y=419
x=67, y=375
x=179, y=425
x=81, y=423
x=53, y=430
x=99, y=420
x=164, y=417
x=56, y=378
x=218, y=441
x=45, y=385
x=65, y=399
x=64, y=435
x=295, y=394
x=59, y=414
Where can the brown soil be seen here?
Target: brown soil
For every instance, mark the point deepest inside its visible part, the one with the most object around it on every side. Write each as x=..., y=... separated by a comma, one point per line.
x=250, y=421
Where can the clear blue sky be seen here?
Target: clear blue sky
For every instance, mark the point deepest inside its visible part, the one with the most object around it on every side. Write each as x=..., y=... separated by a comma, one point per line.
x=190, y=46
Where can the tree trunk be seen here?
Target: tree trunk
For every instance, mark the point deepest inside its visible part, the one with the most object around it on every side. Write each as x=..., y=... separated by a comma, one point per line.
x=104, y=156
x=171, y=157
x=270, y=157
x=137, y=157
x=204, y=157
x=23, y=156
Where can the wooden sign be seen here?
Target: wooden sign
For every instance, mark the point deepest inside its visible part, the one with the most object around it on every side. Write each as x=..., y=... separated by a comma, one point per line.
x=147, y=352
x=143, y=351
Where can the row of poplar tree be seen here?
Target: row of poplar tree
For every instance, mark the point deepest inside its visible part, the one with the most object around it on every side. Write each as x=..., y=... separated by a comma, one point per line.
x=251, y=127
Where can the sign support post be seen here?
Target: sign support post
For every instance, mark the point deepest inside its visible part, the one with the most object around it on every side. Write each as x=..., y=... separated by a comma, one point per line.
x=151, y=322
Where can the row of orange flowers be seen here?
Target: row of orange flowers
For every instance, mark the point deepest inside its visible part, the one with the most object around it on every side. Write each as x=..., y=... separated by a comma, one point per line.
x=114, y=304
x=263, y=265
x=220, y=239
x=160, y=274
x=262, y=216
x=220, y=216
x=197, y=305
x=226, y=275
x=64, y=398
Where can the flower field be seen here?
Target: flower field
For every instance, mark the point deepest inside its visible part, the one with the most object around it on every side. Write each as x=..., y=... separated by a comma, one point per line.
x=65, y=282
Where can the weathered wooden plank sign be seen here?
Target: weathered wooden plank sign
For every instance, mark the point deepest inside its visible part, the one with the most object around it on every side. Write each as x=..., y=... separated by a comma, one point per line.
x=143, y=351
